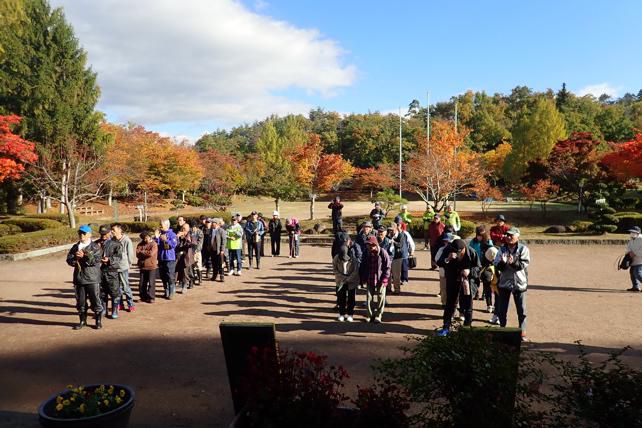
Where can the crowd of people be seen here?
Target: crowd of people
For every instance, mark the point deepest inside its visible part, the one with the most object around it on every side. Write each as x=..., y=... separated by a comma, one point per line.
x=204, y=249
x=491, y=267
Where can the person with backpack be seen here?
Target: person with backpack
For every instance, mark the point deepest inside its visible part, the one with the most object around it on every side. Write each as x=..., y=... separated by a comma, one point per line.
x=512, y=262
x=85, y=257
x=401, y=251
x=198, y=238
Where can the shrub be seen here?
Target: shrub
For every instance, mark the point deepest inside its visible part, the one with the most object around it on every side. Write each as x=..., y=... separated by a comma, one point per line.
x=628, y=220
x=602, y=228
x=9, y=229
x=582, y=225
x=467, y=229
x=630, y=203
x=34, y=224
x=626, y=213
x=34, y=240
x=62, y=218
x=194, y=200
x=139, y=226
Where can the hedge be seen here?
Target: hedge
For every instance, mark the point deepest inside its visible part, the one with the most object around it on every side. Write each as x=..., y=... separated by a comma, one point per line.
x=9, y=229
x=139, y=226
x=34, y=224
x=582, y=226
x=62, y=218
x=628, y=221
x=34, y=240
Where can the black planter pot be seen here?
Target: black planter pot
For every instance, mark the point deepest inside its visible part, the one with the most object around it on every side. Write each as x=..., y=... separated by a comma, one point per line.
x=116, y=418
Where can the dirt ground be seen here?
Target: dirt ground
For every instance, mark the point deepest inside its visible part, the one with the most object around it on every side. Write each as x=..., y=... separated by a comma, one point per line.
x=170, y=352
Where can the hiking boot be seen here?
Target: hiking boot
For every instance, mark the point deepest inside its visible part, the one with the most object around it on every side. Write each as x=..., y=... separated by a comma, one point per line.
x=99, y=321
x=494, y=320
x=83, y=321
x=132, y=309
x=443, y=332
x=114, y=312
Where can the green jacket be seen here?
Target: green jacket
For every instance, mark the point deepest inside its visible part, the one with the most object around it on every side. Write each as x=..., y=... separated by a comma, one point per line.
x=452, y=219
x=234, y=237
x=406, y=217
x=428, y=217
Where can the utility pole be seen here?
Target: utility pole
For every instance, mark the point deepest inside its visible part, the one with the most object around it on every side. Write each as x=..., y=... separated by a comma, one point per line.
x=427, y=138
x=400, y=152
x=455, y=152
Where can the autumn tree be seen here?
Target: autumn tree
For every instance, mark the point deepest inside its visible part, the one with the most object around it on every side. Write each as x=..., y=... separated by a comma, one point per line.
x=223, y=176
x=542, y=191
x=317, y=172
x=573, y=164
x=15, y=151
x=625, y=161
x=534, y=136
x=493, y=161
x=445, y=168
x=374, y=179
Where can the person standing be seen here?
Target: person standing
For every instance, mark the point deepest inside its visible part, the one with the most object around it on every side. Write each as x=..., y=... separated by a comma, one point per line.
x=346, y=273
x=361, y=241
x=405, y=216
x=167, y=241
x=254, y=231
x=461, y=265
x=147, y=255
x=184, y=259
x=498, y=231
x=197, y=236
x=219, y=246
x=377, y=279
x=125, y=262
x=428, y=217
x=634, y=251
x=377, y=215
x=384, y=241
x=294, y=233
x=84, y=256
x=481, y=243
x=452, y=219
x=400, y=255
x=435, y=231
x=206, y=252
x=275, y=227
x=337, y=216
x=111, y=256
x=262, y=221
x=512, y=262
x=234, y=243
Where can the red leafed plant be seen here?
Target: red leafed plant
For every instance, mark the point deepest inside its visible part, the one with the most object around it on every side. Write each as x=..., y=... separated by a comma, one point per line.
x=297, y=389
x=14, y=150
x=625, y=161
x=382, y=405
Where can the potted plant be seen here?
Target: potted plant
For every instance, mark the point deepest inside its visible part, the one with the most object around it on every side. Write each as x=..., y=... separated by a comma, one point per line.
x=89, y=406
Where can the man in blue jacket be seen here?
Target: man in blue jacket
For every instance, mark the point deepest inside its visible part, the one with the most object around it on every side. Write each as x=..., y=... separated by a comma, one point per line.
x=166, y=240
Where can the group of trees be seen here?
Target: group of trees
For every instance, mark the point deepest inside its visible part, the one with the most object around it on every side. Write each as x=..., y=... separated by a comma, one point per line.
x=54, y=144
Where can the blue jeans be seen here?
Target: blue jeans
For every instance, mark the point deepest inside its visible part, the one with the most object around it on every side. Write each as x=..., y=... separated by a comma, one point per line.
x=636, y=276
x=123, y=278
x=235, y=256
x=503, y=302
x=167, y=270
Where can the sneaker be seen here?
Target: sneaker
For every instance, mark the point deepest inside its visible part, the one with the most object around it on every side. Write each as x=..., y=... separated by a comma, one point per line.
x=228, y=273
x=443, y=332
x=461, y=317
x=238, y=273
x=131, y=309
x=524, y=338
x=235, y=273
x=490, y=309
x=341, y=318
x=633, y=289
x=377, y=320
x=350, y=319
x=494, y=320
x=121, y=307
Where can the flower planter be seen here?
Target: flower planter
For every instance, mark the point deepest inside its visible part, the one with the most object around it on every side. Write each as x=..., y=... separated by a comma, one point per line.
x=116, y=418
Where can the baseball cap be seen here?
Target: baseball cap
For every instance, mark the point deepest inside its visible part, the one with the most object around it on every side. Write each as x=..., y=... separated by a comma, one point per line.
x=372, y=240
x=634, y=229
x=512, y=231
x=491, y=253
x=104, y=229
x=500, y=217
x=367, y=224
x=254, y=213
x=276, y=213
x=84, y=229
x=458, y=244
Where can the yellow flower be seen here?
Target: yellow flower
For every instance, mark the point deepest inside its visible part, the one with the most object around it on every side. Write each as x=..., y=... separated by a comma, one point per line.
x=70, y=386
x=59, y=407
x=122, y=393
x=65, y=402
x=82, y=408
x=106, y=402
x=81, y=388
x=59, y=399
x=111, y=390
x=73, y=398
x=118, y=400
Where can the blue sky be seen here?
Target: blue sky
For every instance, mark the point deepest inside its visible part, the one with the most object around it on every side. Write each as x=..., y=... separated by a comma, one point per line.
x=221, y=63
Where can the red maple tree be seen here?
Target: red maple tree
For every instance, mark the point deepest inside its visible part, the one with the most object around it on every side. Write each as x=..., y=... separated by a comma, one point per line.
x=15, y=151
x=625, y=161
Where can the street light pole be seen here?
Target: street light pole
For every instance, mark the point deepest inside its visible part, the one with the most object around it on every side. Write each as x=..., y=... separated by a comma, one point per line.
x=400, y=152
x=455, y=152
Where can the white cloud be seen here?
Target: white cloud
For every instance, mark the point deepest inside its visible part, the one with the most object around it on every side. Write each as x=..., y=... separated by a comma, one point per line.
x=216, y=61
x=599, y=89
x=261, y=5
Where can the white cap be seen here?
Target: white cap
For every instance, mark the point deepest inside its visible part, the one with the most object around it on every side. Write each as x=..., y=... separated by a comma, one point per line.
x=276, y=213
x=491, y=253
x=404, y=207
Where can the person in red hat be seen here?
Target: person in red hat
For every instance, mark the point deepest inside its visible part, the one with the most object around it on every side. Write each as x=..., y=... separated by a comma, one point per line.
x=378, y=278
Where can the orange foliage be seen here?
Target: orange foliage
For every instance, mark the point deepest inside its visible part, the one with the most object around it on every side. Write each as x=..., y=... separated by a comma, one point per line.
x=542, y=191
x=380, y=178
x=15, y=151
x=625, y=162
x=318, y=172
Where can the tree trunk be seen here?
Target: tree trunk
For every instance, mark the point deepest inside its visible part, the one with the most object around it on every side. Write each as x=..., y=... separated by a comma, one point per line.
x=20, y=198
x=110, y=196
x=312, y=201
x=11, y=193
x=183, y=198
x=579, y=200
x=277, y=203
x=40, y=205
x=47, y=203
x=70, y=214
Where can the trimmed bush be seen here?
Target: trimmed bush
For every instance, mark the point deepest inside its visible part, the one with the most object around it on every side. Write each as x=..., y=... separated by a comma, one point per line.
x=582, y=225
x=628, y=221
x=62, y=218
x=139, y=226
x=627, y=213
x=630, y=203
x=602, y=228
x=9, y=229
x=213, y=214
x=34, y=224
x=194, y=201
x=35, y=240
x=467, y=229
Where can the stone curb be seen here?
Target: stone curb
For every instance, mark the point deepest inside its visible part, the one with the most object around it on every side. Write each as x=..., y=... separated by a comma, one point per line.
x=35, y=253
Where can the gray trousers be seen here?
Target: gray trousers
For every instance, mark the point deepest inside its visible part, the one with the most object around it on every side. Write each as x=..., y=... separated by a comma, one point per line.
x=91, y=292
x=376, y=302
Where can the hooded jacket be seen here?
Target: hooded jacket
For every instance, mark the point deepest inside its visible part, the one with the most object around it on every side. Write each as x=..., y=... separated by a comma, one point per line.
x=513, y=276
x=87, y=269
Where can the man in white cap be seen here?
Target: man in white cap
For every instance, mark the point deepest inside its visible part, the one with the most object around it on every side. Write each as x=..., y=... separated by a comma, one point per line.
x=634, y=251
x=274, y=228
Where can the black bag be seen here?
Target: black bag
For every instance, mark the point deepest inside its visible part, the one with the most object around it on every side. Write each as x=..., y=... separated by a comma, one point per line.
x=625, y=262
x=412, y=262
